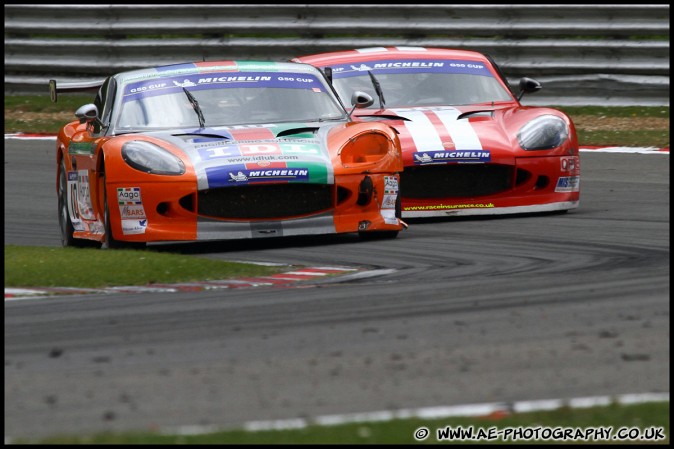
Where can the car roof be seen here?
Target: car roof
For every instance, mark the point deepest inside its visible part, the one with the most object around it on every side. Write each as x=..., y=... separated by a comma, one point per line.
x=192, y=68
x=381, y=53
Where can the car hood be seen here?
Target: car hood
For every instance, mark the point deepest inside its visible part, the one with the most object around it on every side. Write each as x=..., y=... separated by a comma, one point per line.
x=445, y=134
x=241, y=155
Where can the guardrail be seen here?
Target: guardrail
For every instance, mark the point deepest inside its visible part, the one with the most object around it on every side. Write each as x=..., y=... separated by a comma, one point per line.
x=582, y=54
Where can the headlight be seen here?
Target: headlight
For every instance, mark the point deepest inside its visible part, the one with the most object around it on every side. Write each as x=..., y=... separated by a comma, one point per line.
x=364, y=149
x=150, y=158
x=543, y=133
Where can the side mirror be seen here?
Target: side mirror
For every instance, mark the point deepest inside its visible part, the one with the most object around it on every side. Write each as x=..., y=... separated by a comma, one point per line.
x=528, y=85
x=360, y=100
x=87, y=113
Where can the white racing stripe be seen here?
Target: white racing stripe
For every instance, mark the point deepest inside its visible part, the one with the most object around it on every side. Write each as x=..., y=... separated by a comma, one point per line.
x=462, y=132
x=421, y=129
x=425, y=134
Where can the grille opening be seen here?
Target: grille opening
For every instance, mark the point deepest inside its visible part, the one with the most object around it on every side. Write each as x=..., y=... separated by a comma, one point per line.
x=522, y=177
x=343, y=194
x=187, y=202
x=265, y=201
x=162, y=208
x=456, y=180
x=365, y=190
x=542, y=182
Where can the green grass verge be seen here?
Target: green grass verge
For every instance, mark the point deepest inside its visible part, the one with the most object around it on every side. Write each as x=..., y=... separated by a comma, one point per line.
x=95, y=268
x=642, y=416
x=636, y=138
x=633, y=136
x=616, y=111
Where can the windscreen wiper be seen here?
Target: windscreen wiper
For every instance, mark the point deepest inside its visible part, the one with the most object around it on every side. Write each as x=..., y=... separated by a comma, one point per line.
x=377, y=89
x=197, y=109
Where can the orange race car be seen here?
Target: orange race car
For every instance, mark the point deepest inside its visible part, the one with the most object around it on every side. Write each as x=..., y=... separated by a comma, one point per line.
x=222, y=150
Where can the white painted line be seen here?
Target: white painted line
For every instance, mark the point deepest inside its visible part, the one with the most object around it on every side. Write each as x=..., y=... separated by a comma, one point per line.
x=29, y=137
x=457, y=411
x=23, y=291
x=365, y=275
x=640, y=150
x=467, y=410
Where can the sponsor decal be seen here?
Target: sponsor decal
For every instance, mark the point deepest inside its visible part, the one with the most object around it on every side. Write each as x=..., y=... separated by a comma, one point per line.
x=204, y=143
x=389, y=201
x=258, y=148
x=451, y=206
x=568, y=184
x=84, y=195
x=96, y=227
x=570, y=164
x=131, y=210
x=134, y=226
x=73, y=207
x=411, y=66
x=219, y=152
x=388, y=205
x=134, y=211
x=219, y=80
x=275, y=174
x=128, y=195
x=458, y=156
x=317, y=172
x=389, y=216
x=390, y=184
x=261, y=160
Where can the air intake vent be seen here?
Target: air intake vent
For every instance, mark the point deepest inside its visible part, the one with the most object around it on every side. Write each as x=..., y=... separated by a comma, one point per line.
x=456, y=180
x=265, y=201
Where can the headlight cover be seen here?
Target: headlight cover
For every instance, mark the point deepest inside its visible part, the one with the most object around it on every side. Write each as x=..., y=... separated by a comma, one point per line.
x=150, y=158
x=367, y=148
x=543, y=133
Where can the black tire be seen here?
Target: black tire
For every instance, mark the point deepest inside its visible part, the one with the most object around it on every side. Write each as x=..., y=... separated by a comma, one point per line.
x=110, y=242
x=378, y=235
x=65, y=224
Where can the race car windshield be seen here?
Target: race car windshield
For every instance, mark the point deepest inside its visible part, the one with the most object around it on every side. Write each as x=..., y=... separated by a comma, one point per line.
x=425, y=89
x=246, y=99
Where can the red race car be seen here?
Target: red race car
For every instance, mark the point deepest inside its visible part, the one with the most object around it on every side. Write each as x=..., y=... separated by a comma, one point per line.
x=469, y=146
x=222, y=150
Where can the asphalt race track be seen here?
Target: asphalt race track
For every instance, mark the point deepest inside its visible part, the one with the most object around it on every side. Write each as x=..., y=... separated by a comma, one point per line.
x=471, y=311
